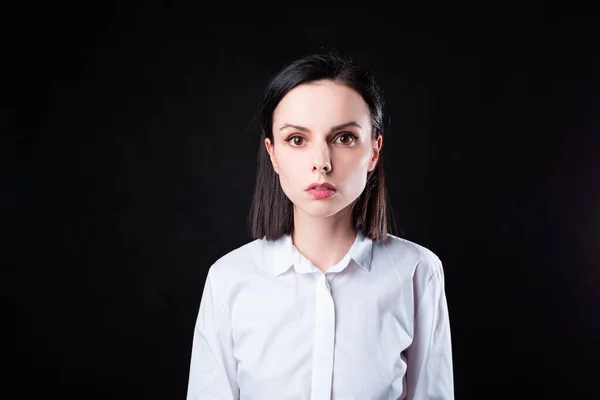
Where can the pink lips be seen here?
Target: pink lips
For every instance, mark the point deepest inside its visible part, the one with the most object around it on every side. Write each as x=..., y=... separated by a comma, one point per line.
x=322, y=190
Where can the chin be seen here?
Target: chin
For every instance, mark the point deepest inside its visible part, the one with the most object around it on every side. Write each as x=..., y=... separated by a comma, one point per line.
x=320, y=209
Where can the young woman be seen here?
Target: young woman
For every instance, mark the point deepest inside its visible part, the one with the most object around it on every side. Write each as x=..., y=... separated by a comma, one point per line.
x=324, y=303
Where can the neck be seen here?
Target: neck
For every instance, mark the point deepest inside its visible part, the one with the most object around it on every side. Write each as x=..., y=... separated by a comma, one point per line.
x=324, y=241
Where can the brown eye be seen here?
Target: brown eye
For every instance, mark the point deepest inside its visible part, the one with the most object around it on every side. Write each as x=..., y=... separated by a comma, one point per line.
x=295, y=140
x=346, y=138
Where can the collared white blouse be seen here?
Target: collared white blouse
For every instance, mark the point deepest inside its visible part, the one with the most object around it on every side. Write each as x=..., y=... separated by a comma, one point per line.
x=272, y=326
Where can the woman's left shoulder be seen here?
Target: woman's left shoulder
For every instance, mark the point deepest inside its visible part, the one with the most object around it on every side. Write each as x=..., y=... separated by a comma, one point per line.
x=407, y=252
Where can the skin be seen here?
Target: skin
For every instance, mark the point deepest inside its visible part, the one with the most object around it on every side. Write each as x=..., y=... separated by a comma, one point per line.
x=318, y=124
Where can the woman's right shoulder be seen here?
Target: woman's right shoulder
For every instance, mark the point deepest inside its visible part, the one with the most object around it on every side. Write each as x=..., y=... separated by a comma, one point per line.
x=239, y=261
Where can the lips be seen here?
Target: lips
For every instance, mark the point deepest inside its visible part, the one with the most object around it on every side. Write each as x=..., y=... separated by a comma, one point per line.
x=321, y=186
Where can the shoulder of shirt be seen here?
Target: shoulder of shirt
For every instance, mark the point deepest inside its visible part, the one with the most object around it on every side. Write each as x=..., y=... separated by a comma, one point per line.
x=238, y=261
x=421, y=258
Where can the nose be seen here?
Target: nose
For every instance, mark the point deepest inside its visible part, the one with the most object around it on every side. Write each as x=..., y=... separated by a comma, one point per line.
x=322, y=159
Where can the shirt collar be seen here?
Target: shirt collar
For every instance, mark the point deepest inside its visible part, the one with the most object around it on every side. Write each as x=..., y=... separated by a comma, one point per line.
x=286, y=255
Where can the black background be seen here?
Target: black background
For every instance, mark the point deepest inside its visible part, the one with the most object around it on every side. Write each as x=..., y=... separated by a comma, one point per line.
x=129, y=164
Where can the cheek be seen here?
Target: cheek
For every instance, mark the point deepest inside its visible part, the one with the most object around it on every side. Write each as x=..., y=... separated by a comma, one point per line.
x=355, y=166
x=285, y=163
x=353, y=173
x=289, y=169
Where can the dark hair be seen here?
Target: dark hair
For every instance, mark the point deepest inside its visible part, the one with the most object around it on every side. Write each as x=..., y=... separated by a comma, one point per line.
x=271, y=214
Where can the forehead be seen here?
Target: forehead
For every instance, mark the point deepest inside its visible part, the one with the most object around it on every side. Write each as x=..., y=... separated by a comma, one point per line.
x=321, y=104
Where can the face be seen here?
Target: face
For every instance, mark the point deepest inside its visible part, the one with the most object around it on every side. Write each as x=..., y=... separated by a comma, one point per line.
x=322, y=134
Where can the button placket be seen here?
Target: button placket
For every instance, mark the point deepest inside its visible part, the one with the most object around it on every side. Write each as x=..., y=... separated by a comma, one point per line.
x=324, y=337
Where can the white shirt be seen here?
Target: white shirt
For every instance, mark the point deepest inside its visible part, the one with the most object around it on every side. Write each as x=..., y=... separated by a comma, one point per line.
x=272, y=326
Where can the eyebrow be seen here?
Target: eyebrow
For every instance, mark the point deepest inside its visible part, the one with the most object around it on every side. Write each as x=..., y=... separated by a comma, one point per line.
x=335, y=128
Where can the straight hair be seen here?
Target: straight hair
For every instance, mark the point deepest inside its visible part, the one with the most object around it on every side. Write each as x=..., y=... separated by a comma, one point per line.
x=271, y=213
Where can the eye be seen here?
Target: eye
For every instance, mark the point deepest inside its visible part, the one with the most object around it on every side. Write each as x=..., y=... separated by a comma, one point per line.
x=346, y=138
x=295, y=141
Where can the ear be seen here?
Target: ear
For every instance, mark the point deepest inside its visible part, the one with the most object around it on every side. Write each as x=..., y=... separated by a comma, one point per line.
x=270, y=150
x=376, y=150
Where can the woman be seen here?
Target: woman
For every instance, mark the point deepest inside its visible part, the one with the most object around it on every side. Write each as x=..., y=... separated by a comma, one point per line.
x=324, y=303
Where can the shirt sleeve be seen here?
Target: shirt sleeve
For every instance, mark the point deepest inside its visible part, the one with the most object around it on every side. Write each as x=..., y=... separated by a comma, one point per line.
x=213, y=367
x=429, y=374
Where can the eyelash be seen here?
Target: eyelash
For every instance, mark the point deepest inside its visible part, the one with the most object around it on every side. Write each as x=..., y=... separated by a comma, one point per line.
x=354, y=137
